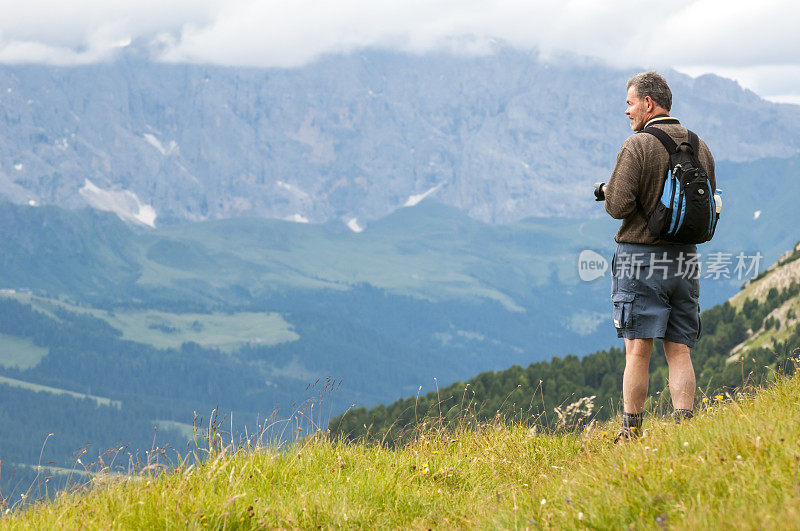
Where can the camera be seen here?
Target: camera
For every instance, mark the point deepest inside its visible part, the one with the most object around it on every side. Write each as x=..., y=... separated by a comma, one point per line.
x=599, y=192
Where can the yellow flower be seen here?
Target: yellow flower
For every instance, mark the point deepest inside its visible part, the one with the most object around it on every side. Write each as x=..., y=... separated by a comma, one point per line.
x=705, y=400
x=718, y=397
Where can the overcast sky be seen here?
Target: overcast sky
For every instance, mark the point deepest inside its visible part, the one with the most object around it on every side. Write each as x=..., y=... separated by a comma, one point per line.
x=758, y=44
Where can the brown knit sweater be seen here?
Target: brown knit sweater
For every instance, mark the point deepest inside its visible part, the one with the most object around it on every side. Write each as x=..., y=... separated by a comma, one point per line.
x=641, y=165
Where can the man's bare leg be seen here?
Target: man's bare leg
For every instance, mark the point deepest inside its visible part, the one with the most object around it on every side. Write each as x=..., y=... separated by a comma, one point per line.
x=681, y=375
x=637, y=374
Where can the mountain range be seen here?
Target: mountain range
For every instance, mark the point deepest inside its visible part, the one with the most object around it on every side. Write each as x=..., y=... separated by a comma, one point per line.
x=350, y=137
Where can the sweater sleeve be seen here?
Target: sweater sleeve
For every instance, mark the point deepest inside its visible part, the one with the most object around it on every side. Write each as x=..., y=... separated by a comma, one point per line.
x=623, y=185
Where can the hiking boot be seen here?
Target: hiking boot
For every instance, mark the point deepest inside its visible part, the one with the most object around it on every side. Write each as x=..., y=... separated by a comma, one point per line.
x=682, y=414
x=627, y=433
x=631, y=427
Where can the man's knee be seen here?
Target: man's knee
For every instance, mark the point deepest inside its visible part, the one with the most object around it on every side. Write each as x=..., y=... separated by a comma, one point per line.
x=638, y=348
x=676, y=351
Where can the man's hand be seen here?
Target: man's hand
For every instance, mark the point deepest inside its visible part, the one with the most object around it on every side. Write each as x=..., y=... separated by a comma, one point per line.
x=599, y=192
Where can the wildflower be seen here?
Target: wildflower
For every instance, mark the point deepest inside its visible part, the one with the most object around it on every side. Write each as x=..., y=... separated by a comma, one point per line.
x=705, y=400
x=685, y=443
x=718, y=398
x=542, y=502
x=580, y=516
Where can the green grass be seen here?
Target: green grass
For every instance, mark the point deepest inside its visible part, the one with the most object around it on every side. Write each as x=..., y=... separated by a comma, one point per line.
x=184, y=429
x=224, y=331
x=737, y=464
x=20, y=353
x=102, y=401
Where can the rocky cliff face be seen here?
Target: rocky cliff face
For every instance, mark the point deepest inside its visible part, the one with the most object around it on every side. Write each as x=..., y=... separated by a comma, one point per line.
x=352, y=137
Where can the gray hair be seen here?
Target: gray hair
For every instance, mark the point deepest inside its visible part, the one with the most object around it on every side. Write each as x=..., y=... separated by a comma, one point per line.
x=654, y=85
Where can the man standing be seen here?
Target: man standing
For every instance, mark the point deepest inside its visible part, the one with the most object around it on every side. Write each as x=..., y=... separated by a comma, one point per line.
x=653, y=295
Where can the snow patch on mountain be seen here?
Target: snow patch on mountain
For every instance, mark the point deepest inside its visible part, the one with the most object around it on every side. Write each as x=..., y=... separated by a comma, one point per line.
x=297, y=218
x=414, y=199
x=123, y=203
x=295, y=190
x=354, y=226
x=171, y=148
x=18, y=167
x=756, y=214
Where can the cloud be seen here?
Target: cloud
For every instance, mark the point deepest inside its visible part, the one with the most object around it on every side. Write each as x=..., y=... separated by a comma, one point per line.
x=99, y=45
x=86, y=31
x=758, y=46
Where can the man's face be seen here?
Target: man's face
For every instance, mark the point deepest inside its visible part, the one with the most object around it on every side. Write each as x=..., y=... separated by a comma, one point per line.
x=637, y=110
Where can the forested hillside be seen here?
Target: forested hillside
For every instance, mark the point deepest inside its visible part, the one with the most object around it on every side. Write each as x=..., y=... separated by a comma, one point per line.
x=744, y=342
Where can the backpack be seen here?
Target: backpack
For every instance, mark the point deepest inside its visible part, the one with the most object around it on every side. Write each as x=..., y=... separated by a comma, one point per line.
x=686, y=212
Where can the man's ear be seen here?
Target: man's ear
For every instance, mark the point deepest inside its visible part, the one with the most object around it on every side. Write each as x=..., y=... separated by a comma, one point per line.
x=649, y=103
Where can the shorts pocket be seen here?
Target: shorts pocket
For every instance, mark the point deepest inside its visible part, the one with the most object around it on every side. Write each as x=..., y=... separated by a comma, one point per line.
x=623, y=309
x=699, y=324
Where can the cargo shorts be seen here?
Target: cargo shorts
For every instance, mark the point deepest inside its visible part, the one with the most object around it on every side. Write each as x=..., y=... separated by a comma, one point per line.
x=655, y=291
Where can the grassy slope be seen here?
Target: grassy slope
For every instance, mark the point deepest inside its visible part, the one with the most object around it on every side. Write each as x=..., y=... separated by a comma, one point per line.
x=19, y=352
x=13, y=382
x=224, y=331
x=737, y=464
x=778, y=276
